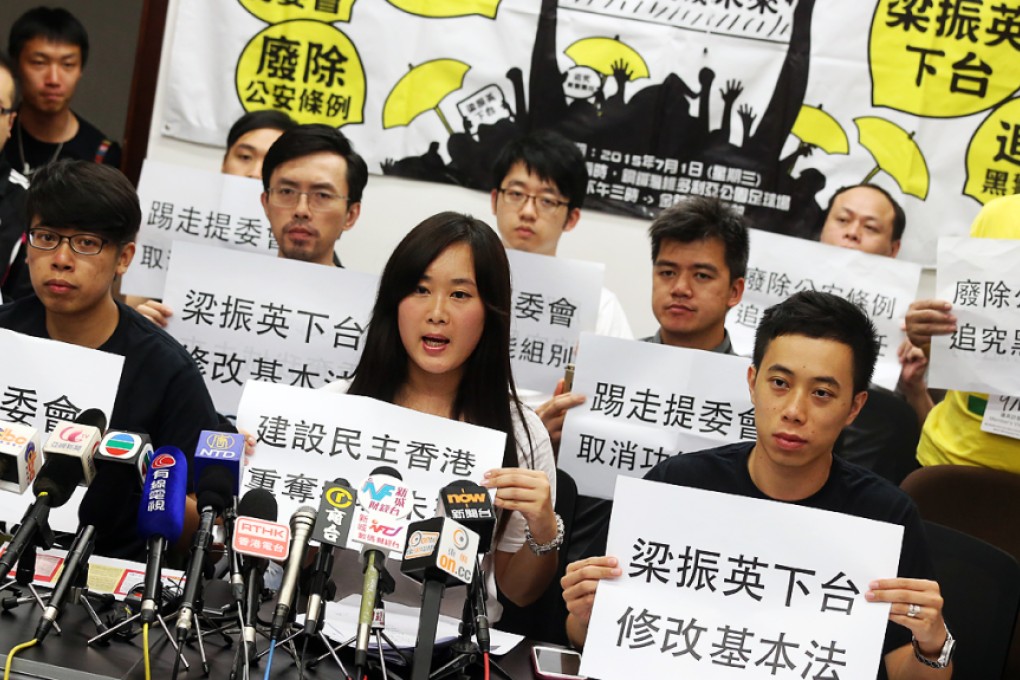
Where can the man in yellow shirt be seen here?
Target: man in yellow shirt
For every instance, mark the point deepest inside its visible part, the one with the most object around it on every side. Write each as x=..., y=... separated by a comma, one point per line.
x=952, y=432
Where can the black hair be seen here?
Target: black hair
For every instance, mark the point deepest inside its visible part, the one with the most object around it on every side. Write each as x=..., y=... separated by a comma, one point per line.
x=899, y=224
x=87, y=196
x=824, y=316
x=550, y=156
x=486, y=395
x=259, y=120
x=305, y=140
x=54, y=24
x=7, y=64
x=700, y=219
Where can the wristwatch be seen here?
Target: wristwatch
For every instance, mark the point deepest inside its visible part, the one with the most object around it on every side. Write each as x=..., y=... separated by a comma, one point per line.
x=945, y=656
x=543, y=548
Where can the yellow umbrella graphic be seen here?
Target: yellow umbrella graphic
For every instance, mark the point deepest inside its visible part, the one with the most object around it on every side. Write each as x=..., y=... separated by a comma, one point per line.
x=815, y=127
x=421, y=89
x=448, y=8
x=602, y=53
x=895, y=152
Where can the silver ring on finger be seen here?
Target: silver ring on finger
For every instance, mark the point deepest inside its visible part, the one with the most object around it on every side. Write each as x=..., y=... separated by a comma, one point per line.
x=913, y=610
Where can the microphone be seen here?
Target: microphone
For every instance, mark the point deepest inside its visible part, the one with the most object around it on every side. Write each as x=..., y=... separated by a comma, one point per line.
x=69, y=452
x=220, y=449
x=214, y=494
x=471, y=505
x=378, y=526
x=19, y=456
x=440, y=552
x=127, y=450
x=161, y=519
x=332, y=527
x=256, y=519
x=77, y=559
x=301, y=523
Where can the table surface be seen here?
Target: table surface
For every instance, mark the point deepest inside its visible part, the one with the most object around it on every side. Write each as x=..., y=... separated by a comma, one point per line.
x=68, y=657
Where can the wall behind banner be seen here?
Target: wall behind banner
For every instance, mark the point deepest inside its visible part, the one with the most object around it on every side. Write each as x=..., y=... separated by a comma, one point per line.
x=102, y=94
x=393, y=206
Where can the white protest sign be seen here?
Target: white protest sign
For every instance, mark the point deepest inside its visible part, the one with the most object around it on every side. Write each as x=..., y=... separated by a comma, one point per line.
x=716, y=586
x=646, y=402
x=308, y=438
x=981, y=279
x=1002, y=416
x=554, y=300
x=780, y=266
x=44, y=381
x=244, y=316
x=180, y=203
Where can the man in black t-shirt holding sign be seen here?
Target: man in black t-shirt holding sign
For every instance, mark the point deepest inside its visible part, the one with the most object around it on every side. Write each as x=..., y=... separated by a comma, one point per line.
x=814, y=356
x=83, y=219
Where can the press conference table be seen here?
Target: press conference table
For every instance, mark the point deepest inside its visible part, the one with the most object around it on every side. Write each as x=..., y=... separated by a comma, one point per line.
x=68, y=657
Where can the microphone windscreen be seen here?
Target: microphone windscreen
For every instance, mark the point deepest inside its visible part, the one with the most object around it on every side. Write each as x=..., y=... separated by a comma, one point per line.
x=115, y=482
x=215, y=487
x=93, y=417
x=258, y=504
x=58, y=478
x=164, y=495
x=387, y=470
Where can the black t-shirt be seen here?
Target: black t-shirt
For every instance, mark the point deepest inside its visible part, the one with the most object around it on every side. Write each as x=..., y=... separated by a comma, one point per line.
x=850, y=490
x=13, y=190
x=89, y=144
x=161, y=393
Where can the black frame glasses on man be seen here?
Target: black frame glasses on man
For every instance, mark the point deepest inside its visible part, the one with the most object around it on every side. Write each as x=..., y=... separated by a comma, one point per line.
x=82, y=244
x=289, y=197
x=4, y=111
x=547, y=205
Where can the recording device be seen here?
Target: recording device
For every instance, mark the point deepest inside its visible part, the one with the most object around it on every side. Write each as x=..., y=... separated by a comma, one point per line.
x=332, y=527
x=301, y=523
x=556, y=664
x=214, y=490
x=19, y=456
x=440, y=552
x=383, y=504
x=127, y=451
x=57, y=480
x=161, y=519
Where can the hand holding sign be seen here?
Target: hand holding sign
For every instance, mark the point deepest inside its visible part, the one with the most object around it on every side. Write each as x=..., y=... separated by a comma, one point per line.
x=579, y=584
x=926, y=318
x=917, y=605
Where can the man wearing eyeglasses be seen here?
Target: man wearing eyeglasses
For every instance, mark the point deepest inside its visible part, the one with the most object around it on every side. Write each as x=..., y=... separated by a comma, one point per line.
x=12, y=183
x=313, y=181
x=83, y=219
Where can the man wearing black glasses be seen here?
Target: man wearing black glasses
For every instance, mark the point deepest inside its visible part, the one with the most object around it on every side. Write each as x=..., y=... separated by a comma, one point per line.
x=313, y=182
x=83, y=219
x=12, y=183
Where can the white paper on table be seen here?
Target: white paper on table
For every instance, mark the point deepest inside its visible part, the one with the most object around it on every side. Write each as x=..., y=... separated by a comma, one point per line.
x=780, y=266
x=50, y=381
x=674, y=400
x=244, y=316
x=1002, y=416
x=554, y=300
x=181, y=203
x=311, y=437
x=981, y=279
x=842, y=550
x=341, y=623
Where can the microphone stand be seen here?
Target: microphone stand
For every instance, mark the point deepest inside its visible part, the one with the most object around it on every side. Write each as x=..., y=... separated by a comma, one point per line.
x=474, y=622
x=386, y=586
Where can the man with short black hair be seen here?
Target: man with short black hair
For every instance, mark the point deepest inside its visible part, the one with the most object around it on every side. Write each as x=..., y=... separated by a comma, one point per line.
x=83, y=219
x=51, y=47
x=864, y=217
x=814, y=356
x=249, y=140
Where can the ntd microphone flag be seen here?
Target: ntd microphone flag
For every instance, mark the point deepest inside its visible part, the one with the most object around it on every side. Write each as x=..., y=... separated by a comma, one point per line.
x=219, y=449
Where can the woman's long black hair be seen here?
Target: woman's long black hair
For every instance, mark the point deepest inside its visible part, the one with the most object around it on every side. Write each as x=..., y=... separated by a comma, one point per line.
x=486, y=395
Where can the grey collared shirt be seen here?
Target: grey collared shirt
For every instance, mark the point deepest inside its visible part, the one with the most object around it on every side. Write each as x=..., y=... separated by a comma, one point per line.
x=724, y=347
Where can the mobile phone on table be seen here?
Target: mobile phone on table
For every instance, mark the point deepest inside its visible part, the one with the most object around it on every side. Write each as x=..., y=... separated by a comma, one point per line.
x=556, y=664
